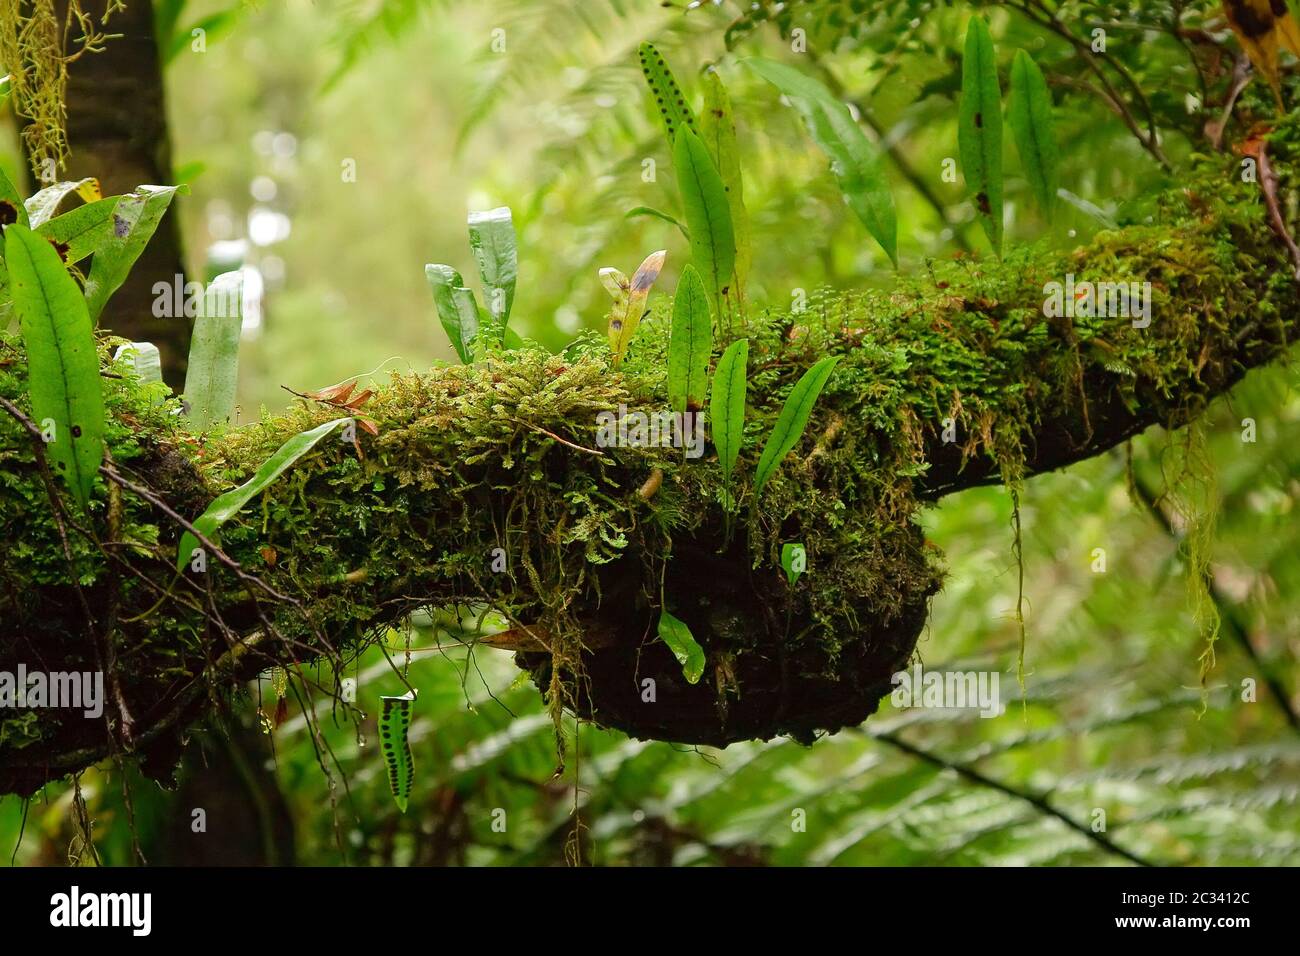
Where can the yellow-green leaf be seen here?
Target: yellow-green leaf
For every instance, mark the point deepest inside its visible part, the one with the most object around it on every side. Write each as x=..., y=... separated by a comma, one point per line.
x=279, y=682
x=82, y=231
x=857, y=164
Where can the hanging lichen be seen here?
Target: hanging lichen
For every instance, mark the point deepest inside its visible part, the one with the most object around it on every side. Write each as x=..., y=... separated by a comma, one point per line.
x=33, y=50
x=1193, y=495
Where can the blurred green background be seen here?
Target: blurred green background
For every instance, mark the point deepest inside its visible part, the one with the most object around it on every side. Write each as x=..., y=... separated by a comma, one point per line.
x=449, y=107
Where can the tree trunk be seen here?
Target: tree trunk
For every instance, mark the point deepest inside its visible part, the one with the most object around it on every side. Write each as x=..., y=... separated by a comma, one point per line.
x=117, y=132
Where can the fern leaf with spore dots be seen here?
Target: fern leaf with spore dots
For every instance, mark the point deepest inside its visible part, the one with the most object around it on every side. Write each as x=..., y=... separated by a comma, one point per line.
x=394, y=725
x=669, y=98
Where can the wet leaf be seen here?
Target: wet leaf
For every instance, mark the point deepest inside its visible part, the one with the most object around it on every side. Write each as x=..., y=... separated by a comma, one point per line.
x=492, y=240
x=144, y=358
x=457, y=308
x=213, y=372
x=682, y=643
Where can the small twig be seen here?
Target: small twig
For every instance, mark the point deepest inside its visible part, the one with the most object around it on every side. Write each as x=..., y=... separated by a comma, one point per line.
x=1214, y=129
x=551, y=434
x=1150, y=140
x=1269, y=183
x=111, y=473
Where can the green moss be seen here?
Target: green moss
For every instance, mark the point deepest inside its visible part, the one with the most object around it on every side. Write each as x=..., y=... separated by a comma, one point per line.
x=469, y=459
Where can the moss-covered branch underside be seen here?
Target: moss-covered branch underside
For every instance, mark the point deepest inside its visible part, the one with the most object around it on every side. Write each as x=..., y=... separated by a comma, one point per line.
x=953, y=378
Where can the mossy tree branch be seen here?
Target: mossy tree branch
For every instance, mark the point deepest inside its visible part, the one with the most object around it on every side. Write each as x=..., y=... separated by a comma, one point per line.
x=952, y=379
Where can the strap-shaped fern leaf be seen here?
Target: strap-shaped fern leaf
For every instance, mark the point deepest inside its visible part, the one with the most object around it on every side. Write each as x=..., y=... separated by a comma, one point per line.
x=394, y=725
x=669, y=98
